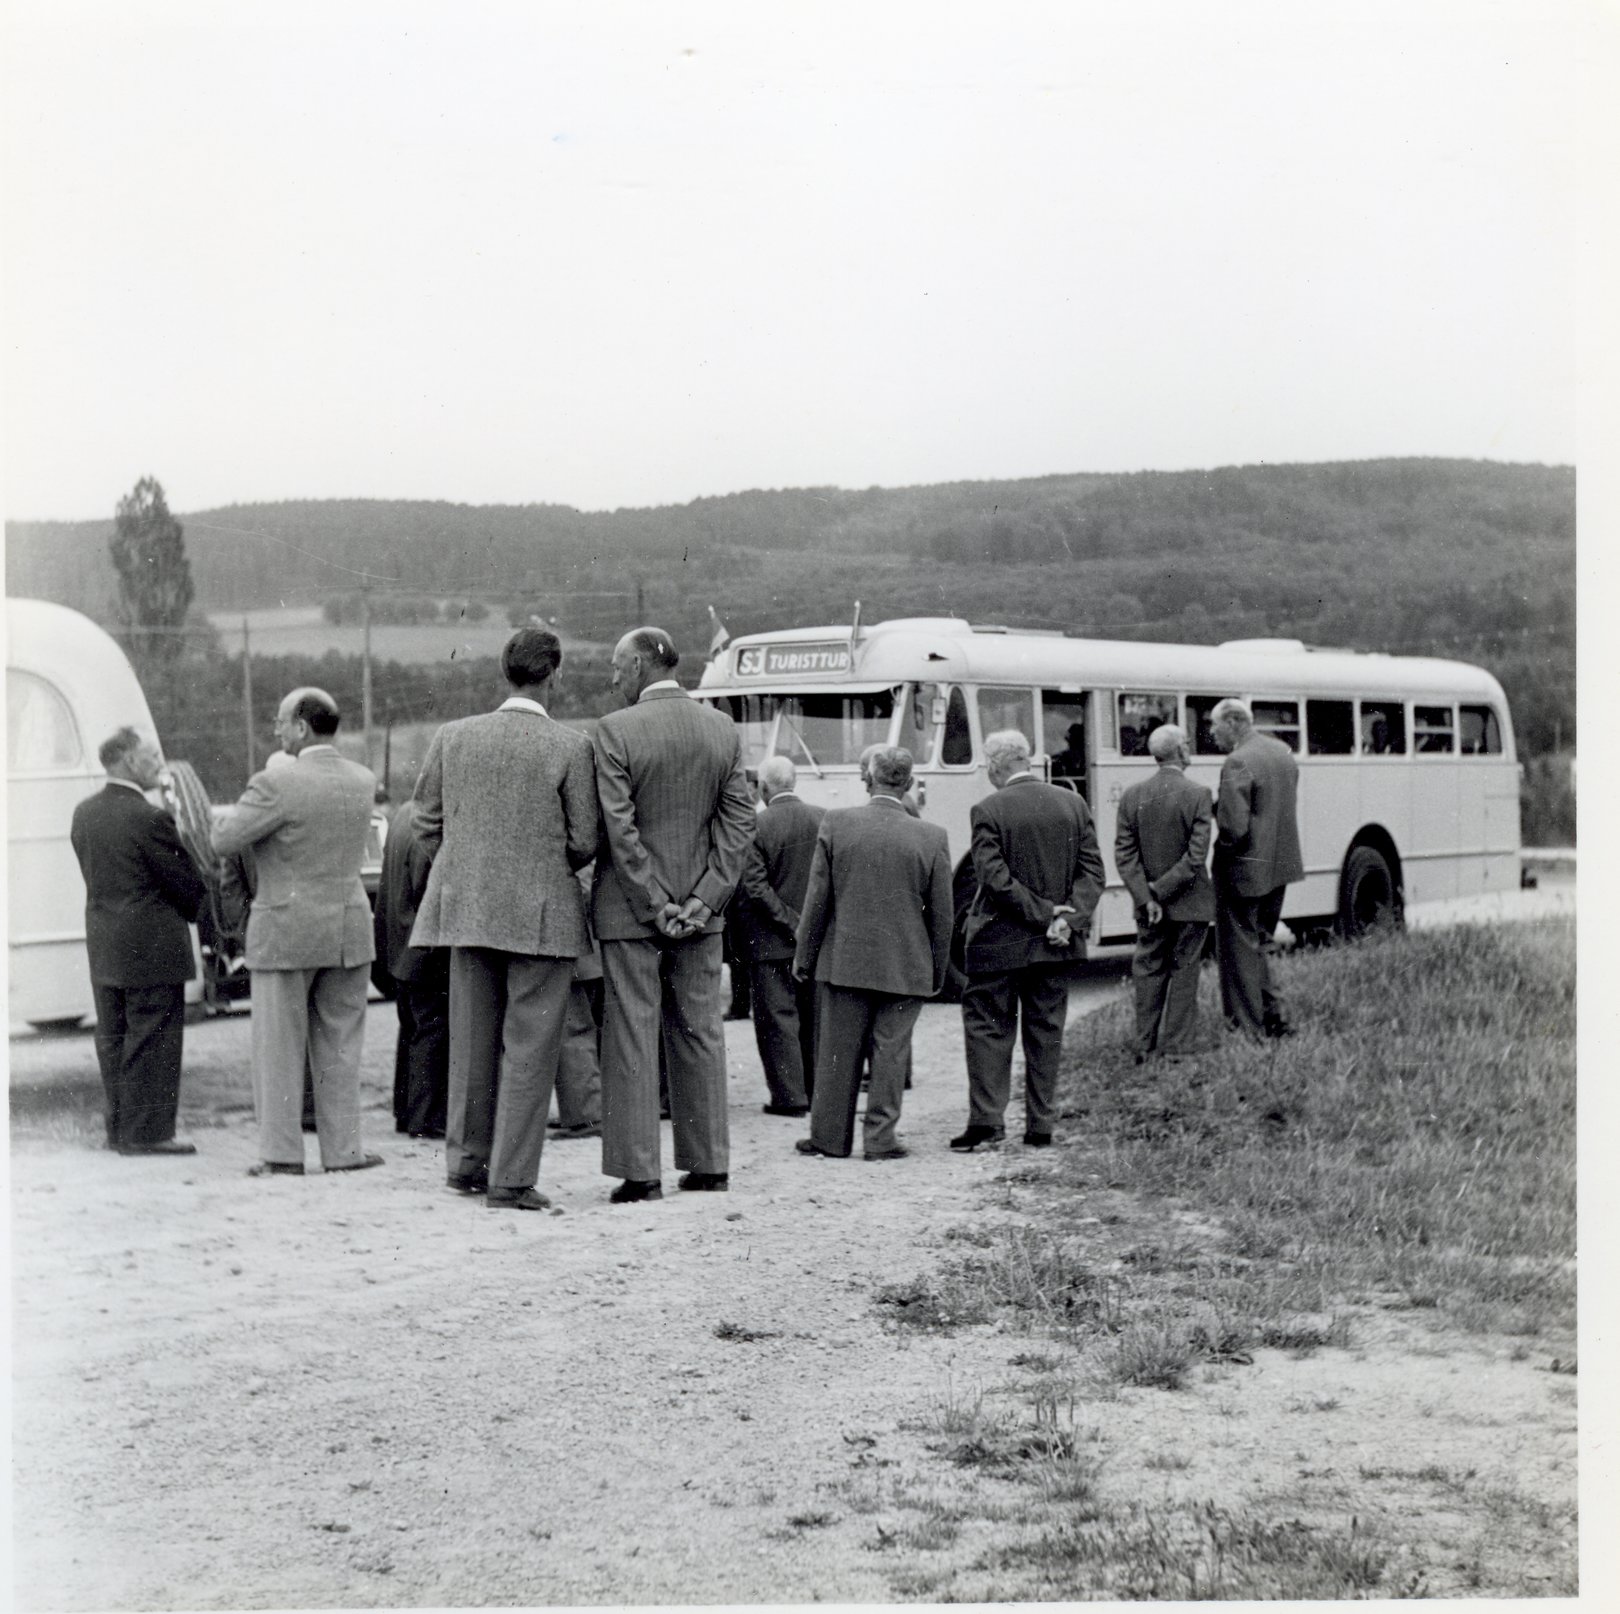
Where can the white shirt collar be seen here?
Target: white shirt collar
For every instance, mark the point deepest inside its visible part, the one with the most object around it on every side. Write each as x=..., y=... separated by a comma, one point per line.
x=521, y=703
x=663, y=683
x=1023, y=773
x=320, y=745
x=783, y=795
x=128, y=784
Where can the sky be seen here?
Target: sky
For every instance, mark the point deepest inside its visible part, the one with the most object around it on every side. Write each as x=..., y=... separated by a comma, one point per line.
x=621, y=254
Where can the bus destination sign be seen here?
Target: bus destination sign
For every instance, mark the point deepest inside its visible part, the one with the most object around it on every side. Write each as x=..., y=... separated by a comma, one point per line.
x=789, y=660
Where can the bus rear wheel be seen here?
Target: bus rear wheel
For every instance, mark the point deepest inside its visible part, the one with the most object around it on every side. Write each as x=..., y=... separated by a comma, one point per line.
x=1368, y=896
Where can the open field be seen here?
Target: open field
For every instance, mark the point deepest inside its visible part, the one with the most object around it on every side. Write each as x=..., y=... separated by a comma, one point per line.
x=302, y=630
x=1293, y=1321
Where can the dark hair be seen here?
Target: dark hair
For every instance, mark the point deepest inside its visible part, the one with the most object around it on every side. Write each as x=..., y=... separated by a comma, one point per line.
x=531, y=656
x=656, y=646
x=118, y=745
x=316, y=708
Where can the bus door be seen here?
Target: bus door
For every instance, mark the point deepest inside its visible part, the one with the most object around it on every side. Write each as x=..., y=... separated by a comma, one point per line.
x=1062, y=739
x=949, y=779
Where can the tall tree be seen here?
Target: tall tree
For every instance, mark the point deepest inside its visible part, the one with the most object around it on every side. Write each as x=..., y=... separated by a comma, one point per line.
x=154, y=577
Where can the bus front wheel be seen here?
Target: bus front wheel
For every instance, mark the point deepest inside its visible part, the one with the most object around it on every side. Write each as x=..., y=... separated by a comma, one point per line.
x=1368, y=896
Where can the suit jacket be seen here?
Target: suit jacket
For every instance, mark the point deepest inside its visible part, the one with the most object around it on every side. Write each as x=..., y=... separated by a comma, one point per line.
x=307, y=827
x=1161, y=845
x=1257, y=822
x=877, y=910
x=141, y=890
x=676, y=813
x=777, y=873
x=1034, y=847
x=399, y=895
x=506, y=806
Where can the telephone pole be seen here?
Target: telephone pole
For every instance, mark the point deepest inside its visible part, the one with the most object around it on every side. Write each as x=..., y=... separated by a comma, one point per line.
x=247, y=696
x=365, y=671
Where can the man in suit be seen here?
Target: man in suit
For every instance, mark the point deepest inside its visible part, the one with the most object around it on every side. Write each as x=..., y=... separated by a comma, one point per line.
x=141, y=892
x=1161, y=846
x=774, y=881
x=507, y=807
x=579, y=1065
x=677, y=817
x=309, y=940
x=1257, y=856
x=420, y=978
x=1040, y=876
x=875, y=936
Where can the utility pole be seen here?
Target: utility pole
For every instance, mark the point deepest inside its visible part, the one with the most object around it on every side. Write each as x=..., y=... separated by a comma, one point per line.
x=247, y=695
x=365, y=671
x=641, y=605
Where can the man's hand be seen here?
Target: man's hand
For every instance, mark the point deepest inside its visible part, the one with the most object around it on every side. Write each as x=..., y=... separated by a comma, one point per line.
x=800, y=975
x=1058, y=932
x=1154, y=912
x=694, y=915
x=669, y=921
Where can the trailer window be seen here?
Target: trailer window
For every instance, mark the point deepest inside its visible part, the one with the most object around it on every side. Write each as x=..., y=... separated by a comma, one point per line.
x=41, y=736
x=1139, y=716
x=1330, y=728
x=1481, y=731
x=1383, y=728
x=1432, y=731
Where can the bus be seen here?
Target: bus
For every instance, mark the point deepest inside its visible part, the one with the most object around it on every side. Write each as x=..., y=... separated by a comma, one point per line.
x=1408, y=780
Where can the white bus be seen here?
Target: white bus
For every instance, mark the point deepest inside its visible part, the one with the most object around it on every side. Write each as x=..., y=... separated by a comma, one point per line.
x=1409, y=785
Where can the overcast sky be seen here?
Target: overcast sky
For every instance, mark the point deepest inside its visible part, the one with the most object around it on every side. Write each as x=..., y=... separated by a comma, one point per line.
x=616, y=254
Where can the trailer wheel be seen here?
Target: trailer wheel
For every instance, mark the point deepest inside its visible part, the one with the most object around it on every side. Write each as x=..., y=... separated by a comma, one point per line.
x=1368, y=896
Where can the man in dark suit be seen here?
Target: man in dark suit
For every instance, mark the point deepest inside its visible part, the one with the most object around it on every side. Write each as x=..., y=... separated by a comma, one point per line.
x=1040, y=876
x=1161, y=847
x=507, y=808
x=421, y=982
x=309, y=937
x=875, y=936
x=774, y=881
x=141, y=892
x=1257, y=856
x=677, y=817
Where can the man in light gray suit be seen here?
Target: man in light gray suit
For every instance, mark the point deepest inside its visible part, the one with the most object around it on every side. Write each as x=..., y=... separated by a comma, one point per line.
x=875, y=936
x=677, y=818
x=506, y=809
x=1257, y=856
x=1161, y=847
x=309, y=937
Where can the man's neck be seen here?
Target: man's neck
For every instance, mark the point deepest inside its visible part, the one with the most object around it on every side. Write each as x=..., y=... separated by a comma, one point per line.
x=126, y=782
x=658, y=683
x=1171, y=765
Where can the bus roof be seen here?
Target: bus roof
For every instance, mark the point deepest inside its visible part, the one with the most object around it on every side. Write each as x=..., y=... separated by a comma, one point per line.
x=949, y=649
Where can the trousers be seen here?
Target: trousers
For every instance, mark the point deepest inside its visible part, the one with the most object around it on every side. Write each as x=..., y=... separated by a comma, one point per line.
x=659, y=991
x=847, y=1020
x=139, y=1030
x=1164, y=977
x=994, y=1006
x=422, y=1054
x=785, y=1030
x=1245, y=929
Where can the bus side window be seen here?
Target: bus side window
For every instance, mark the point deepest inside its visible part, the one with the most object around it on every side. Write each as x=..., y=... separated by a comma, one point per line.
x=1279, y=719
x=1063, y=736
x=1330, y=728
x=41, y=736
x=1431, y=729
x=1203, y=736
x=1383, y=728
x=1139, y=716
x=1481, y=731
x=1007, y=709
x=956, y=749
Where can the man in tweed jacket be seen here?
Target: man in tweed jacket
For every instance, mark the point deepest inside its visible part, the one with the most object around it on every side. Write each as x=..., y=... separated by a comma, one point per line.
x=677, y=819
x=506, y=809
x=309, y=940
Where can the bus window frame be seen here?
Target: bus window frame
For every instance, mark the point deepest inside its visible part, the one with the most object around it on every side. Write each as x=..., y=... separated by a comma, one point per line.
x=1297, y=749
x=1119, y=692
x=971, y=707
x=1451, y=733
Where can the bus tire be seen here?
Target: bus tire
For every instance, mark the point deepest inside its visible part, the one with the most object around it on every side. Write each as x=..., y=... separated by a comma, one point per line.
x=1369, y=898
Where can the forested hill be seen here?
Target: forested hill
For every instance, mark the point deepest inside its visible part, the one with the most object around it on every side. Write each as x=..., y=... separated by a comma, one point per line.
x=1465, y=558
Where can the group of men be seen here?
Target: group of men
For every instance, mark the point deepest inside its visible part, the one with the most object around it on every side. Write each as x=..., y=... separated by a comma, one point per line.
x=491, y=937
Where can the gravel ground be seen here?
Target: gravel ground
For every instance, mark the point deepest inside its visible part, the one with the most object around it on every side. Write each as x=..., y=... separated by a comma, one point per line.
x=293, y=1393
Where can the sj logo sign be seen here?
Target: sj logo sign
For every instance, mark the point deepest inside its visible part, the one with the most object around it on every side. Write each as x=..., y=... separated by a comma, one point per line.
x=792, y=660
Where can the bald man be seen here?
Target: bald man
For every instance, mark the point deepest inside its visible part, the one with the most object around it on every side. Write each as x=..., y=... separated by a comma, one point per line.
x=309, y=936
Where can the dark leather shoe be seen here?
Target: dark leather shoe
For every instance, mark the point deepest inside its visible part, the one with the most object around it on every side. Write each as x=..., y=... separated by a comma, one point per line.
x=473, y=1182
x=275, y=1168
x=364, y=1163
x=976, y=1135
x=168, y=1146
x=805, y=1146
x=585, y=1129
x=1278, y=1029
x=786, y=1109
x=704, y=1182
x=430, y=1132
x=898, y=1152
x=516, y=1199
x=1037, y=1140
x=632, y=1191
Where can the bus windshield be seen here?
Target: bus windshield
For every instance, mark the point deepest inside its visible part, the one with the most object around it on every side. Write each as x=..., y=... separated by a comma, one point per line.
x=814, y=730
